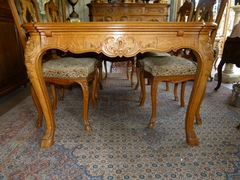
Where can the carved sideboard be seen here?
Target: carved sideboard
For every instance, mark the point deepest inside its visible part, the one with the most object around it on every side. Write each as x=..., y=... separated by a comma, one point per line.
x=128, y=12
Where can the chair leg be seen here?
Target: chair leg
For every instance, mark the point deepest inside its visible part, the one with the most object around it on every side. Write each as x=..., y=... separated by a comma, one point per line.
x=167, y=86
x=100, y=77
x=62, y=92
x=105, y=67
x=127, y=73
x=94, y=89
x=183, y=93
x=154, y=88
x=85, y=91
x=138, y=77
x=143, y=88
x=54, y=96
x=175, y=92
x=38, y=106
x=132, y=72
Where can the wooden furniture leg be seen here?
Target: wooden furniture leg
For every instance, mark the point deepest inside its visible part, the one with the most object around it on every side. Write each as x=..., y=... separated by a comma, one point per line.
x=154, y=88
x=38, y=106
x=175, y=91
x=183, y=93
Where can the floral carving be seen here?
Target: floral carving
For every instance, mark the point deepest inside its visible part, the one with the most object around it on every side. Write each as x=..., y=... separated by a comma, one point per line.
x=30, y=49
x=207, y=48
x=94, y=46
x=120, y=46
x=149, y=45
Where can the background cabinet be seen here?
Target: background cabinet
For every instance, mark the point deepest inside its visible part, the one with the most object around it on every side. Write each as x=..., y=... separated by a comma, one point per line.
x=12, y=68
x=128, y=12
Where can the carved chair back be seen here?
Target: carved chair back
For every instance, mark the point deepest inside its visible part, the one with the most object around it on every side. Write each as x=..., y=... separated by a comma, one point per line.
x=29, y=12
x=53, y=13
x=204, y=12
x=185, y=11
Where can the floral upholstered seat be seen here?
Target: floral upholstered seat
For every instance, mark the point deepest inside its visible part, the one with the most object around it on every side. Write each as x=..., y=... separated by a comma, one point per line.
x=69, y=67
x=168, y=66
x=165, y=69
x=69, y=70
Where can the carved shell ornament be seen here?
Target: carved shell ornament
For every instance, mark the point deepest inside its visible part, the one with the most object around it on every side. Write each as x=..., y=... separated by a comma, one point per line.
x=120, y=46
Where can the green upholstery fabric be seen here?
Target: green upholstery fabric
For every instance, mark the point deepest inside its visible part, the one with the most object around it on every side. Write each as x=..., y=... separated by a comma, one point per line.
x=69, y=67
x=168, y=66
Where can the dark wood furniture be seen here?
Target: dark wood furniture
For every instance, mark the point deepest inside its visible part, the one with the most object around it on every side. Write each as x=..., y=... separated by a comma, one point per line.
x=128, y=12
x=12, y=69
x=231, y=54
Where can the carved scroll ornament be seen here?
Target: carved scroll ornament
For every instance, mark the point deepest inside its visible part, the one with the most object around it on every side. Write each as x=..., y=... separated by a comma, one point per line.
x=120, y=46
x=30, y=50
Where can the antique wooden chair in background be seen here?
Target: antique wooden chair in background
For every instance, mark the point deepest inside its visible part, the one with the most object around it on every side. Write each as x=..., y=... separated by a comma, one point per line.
x=129, y=60
x=62, y=71
x=174, y=68
x=115, y=60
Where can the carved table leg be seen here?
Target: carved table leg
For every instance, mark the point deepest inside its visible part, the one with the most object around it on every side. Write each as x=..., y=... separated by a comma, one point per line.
x=38, y=106
x=32, y=61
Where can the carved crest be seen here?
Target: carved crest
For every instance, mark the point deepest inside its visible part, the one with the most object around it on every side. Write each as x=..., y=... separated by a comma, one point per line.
x=120, y=46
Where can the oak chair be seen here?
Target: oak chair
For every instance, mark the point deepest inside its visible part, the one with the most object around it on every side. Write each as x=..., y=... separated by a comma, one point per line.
x=184, y=14
x=61, y=71
x=53, y=14
x=164, y=69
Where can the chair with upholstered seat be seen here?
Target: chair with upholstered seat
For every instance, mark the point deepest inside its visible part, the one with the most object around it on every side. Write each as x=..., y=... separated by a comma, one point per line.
x=174, y=69
x=53, y=14
x=164, y=69
x=184, y=14
x=61, y=71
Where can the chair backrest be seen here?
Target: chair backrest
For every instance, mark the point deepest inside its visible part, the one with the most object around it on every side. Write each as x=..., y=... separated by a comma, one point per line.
x=29, y=13
x=185, y=12
x=204, y=12
x=53, y=13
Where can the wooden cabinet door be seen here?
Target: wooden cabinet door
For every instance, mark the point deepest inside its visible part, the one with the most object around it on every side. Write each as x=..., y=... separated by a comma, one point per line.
x=12, y=68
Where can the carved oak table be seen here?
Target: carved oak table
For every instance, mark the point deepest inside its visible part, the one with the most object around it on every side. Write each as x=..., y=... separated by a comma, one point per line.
x=118, y=39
